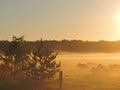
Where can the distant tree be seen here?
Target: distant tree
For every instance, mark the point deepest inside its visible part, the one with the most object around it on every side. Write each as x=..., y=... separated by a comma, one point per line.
x=100, y=69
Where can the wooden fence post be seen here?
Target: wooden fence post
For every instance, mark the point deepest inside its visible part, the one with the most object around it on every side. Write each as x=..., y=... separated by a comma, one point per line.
x=60, y=79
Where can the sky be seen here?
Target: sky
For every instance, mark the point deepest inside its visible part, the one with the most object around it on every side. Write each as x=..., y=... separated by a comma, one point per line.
x=60, y=19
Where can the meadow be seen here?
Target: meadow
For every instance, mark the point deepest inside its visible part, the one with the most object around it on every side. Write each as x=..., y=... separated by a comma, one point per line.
x=23, y=68
x=81, y=71
x=90, y=71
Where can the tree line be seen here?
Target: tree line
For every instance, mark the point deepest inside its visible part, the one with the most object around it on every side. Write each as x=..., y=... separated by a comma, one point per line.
x=70, y=45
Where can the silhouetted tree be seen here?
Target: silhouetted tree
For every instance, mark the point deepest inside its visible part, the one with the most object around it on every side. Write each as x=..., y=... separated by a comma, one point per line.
x=40, y=64
x=36, y=65
x=16, y=48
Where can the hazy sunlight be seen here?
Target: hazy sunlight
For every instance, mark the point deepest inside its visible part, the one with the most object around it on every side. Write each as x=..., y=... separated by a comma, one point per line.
x=60, y=45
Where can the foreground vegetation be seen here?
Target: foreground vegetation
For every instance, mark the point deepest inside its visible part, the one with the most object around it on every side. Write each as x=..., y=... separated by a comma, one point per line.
x=24, y=69
x=33, y=66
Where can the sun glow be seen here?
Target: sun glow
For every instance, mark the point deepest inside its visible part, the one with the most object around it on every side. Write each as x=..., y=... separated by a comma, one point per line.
x=117, y=21
x=117, y=18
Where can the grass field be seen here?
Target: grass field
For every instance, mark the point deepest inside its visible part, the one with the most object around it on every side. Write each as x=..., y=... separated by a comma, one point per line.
x=80, y=72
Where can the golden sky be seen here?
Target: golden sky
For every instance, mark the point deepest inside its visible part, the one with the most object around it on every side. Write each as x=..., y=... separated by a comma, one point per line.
x=60, y=19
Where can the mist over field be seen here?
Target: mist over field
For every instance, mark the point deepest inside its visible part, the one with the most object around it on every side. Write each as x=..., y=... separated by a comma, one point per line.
x=60, y=45
x=85, y=65
x=90, y=71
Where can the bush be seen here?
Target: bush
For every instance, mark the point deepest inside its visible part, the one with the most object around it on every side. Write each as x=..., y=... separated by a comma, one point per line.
x=21, y=66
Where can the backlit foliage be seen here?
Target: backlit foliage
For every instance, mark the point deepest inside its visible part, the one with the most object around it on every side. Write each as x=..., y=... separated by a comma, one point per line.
x=19, y=64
